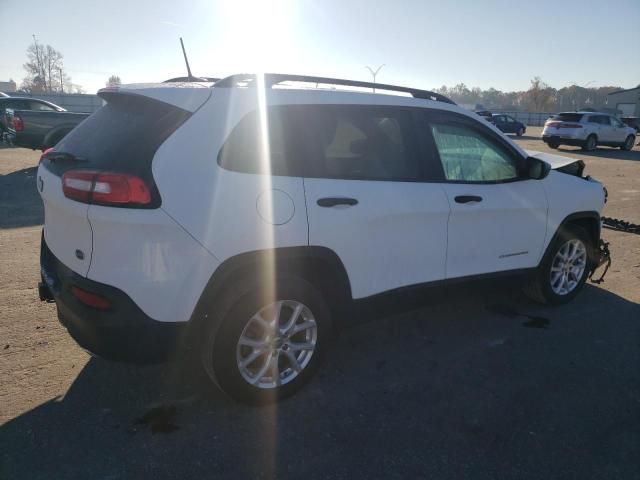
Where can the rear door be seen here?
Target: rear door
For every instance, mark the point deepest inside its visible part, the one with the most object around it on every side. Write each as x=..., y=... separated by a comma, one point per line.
x=368, y=199
x=498, y=219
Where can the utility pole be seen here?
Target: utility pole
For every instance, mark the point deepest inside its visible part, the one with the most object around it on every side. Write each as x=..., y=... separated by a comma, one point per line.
x=374, y=73
x=61, y=80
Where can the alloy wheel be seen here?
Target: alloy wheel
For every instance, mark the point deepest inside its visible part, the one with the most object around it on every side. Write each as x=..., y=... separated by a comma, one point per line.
x=276, y=344
x=568, y=266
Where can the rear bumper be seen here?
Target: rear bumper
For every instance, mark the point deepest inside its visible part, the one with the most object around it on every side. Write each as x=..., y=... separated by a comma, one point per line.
x=121, y=333
x=576, y=142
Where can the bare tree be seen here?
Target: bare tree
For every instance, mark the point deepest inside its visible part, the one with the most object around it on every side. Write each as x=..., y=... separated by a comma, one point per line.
x=539, y=96
x=45, y=71
x=113, y=81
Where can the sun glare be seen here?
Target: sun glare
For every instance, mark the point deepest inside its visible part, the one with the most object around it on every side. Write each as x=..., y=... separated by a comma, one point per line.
x=261, y=32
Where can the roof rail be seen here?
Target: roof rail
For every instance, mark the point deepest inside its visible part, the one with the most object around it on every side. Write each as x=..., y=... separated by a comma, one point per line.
x=191, y=79
x=271, y=79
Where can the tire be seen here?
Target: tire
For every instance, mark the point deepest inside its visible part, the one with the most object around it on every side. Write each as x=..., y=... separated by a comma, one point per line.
x=520, y=132
x=591, y=143
x=628, y=144
x=553, y=145
x=242, y=336
x=542, y=288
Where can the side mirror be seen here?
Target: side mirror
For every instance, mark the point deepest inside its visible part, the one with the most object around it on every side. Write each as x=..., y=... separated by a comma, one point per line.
x=537, y=169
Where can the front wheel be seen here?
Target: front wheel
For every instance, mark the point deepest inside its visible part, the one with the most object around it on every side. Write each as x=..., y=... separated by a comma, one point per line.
x=564, y=268
x=270, y=342
x=553, y=145
x=520, y=132
x=628, y=144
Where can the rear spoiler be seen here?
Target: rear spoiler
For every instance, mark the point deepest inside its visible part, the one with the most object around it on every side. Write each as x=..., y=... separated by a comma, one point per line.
x=188, y=96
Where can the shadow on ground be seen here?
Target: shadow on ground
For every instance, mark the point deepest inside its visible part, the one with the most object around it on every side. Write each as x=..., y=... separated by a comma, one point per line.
x=458, y=387
x=20, y=204
x=604, y=152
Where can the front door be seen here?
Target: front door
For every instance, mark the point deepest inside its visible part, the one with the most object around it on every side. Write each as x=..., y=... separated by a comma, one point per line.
x=619, y=131
x=498, y=219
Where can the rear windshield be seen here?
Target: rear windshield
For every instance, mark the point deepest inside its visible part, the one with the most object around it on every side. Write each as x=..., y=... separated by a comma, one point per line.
x=568, y=117
x=122, y=136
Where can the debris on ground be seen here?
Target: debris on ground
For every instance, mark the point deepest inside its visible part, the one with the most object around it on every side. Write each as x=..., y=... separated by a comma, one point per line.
x=160, y=419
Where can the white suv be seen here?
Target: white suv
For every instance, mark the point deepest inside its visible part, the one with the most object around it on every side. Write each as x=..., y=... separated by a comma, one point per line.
x=244, y=218
x=587, y=130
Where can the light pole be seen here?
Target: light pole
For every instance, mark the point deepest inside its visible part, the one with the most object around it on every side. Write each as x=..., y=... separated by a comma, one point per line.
x=374, y=73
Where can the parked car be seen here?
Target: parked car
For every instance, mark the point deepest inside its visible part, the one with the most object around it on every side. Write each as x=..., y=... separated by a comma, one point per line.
x=633, y=122
x=245, y=220
x=23, y=103
x=40, y=129
x=587, y=130
x=508, y=124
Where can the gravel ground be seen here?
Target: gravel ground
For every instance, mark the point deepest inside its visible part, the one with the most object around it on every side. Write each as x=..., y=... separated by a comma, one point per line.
x=456, y=385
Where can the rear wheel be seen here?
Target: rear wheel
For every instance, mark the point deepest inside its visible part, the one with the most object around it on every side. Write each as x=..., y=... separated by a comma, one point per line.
x=553, y=145
x=271, y=341
x=628, y=144
x=564, y=269
x=590, y=143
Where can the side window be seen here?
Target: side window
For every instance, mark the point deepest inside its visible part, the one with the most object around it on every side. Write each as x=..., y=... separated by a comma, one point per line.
x=348, y=142
x=19, y=105
x=361, y=143
x=509, y=119
x=594, y=119
x=244, y=150
x=615, y=122
x=470, y=156
x=604, y=120
x=41, y=107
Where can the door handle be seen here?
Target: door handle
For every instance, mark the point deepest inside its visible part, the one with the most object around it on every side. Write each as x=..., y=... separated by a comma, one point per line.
x=333, y=201
x=468, y=199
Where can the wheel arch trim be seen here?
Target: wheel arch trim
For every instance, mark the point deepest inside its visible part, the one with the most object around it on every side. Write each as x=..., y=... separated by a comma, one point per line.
x=320, y=266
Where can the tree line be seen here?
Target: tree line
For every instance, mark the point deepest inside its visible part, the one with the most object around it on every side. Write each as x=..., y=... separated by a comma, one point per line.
x=46, y=74
x=540, y=97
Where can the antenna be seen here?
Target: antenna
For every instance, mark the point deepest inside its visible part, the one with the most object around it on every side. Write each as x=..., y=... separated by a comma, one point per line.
x=186, y=60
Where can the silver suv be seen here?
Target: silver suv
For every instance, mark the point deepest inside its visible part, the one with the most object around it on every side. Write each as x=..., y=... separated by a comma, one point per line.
x=587, y=130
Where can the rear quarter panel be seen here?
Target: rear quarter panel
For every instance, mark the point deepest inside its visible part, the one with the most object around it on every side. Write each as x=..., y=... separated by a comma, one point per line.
x=220, y=207
x=147, y=255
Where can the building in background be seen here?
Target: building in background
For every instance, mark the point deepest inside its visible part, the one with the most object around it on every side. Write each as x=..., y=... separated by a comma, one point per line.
x=627, y=101
x=8, y=87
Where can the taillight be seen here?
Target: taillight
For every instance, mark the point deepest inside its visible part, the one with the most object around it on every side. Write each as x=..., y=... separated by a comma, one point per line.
x=562, y=125
x=78, y=184
x=91, y=299
x=18, y=124
x=102, y=188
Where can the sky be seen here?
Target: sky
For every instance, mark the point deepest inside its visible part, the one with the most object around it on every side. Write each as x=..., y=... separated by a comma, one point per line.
x=422, y=43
